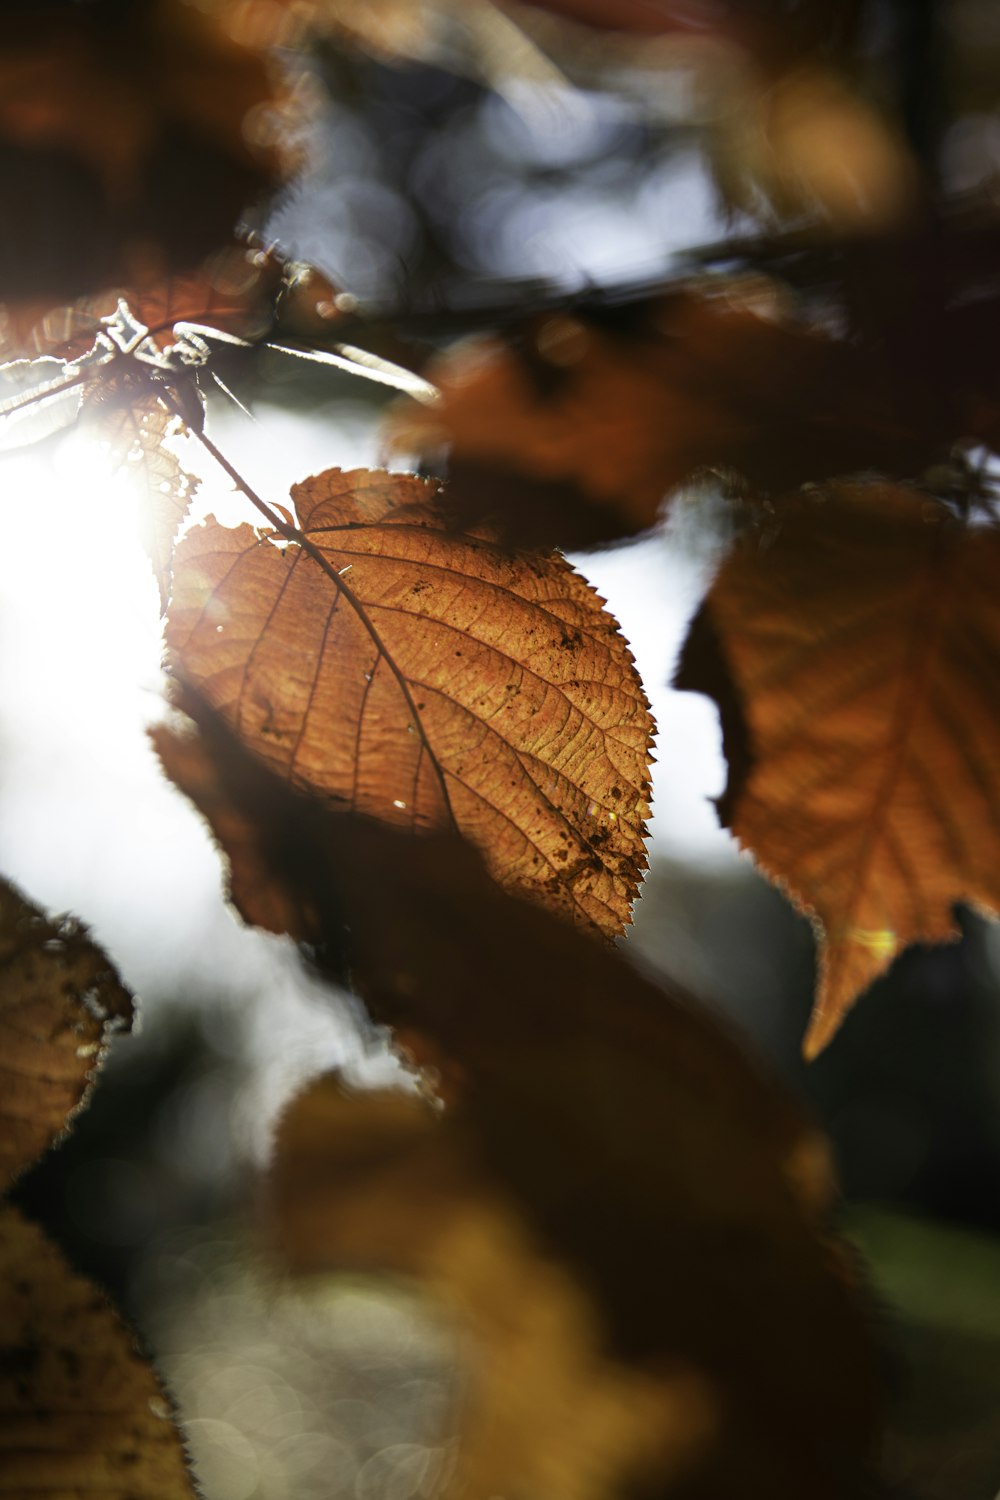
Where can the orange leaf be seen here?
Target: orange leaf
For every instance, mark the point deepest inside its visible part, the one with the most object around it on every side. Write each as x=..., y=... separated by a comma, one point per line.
x=233, y=290
x=863, y=642
x=61, y=999
x=81, y=1412
x=576, y=434
x=429, y=680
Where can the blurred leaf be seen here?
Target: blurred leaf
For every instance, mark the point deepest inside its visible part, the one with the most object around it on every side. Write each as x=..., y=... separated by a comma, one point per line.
x=863, y=642
x=803, y=143
x=61, y=1001
x=234, y=290
x=81, y=1412
x=636, y=1141
x=129, y=137
x=429, y=680
x=760, y=28
x=576, y=434
x=381, y=1181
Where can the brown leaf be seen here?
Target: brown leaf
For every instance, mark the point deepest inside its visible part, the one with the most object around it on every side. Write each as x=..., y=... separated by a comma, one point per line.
x=234, y=290
x=430, y=680
x=864, y=644
x=128, y=137
x=61, y=1001
x=612, y=1115
x=577, y=434
x=81, y=1412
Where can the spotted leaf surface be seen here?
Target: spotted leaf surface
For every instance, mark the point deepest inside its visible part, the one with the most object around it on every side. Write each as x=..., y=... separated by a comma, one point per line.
x=430, y=680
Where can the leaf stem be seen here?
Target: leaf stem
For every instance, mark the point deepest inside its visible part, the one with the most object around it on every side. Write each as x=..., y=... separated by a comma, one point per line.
x=300, y=539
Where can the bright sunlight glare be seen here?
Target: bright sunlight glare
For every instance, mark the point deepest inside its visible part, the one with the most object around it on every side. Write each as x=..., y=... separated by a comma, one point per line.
x=87, y=822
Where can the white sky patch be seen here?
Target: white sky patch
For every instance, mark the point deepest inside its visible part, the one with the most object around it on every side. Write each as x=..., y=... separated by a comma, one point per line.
x=653, y=587
x=275, y=451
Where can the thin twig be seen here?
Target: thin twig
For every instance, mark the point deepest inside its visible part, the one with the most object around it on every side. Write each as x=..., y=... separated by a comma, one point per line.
x=300, y=539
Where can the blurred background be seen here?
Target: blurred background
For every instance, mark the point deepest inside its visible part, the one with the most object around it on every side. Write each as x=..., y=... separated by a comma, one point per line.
x=446, y=182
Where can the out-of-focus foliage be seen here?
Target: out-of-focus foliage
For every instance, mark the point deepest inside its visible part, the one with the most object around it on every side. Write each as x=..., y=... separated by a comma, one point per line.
x=132, y=138
x=233, y=290
x=940, y=1285
x=576, y=431
x=611, y=1116
x=81, y=1411
x=380, y=1181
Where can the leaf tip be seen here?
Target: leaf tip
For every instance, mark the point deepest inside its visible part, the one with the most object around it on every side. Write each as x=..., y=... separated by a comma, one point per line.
x=819, y=1033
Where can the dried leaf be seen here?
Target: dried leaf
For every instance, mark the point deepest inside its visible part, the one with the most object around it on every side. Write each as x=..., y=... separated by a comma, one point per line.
x=234, y=290
x=61, y=1001
x=576, y=435
x=611, y=1115
x=430, y=680
x=81, y=1412
x=863, y=642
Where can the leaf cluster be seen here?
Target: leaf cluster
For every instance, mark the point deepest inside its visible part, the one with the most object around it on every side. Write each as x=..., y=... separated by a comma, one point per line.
x=420, y=741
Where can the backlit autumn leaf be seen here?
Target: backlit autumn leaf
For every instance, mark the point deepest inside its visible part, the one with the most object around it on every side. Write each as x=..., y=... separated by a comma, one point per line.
x=60, y=1001
x=81, y=1412
x=234, y=290
x=430, y=680
x=863, y=642
x=576, y=433
x=610, y=1117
